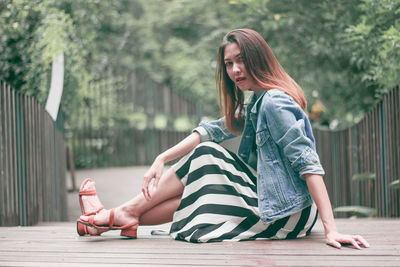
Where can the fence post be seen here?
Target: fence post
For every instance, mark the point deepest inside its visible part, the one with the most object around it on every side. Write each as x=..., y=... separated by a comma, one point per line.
x=24, y=160
x=374, y=147
x=383, y=157
x=2, y=160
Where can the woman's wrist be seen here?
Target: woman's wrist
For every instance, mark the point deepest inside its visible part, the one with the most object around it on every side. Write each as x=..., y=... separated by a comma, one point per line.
x=161, y=158
x=330, y=228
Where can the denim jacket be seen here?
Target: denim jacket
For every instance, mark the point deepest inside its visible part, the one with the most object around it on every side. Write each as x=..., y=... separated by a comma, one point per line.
x=285, y=151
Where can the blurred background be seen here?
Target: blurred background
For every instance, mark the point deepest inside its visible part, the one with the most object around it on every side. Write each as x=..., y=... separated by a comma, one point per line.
x=139, y=74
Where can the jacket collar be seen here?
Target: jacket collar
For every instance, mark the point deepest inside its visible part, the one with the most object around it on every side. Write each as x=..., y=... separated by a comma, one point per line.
x=256, y=100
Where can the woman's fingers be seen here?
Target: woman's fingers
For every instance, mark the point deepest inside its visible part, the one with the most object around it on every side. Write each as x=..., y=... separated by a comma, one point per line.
x=354, y=243
x=145, y=187
x=156, y=180
x=151, y=176
x=334, y=243
x=339, y=239
x=146, y=183
x=362, y=241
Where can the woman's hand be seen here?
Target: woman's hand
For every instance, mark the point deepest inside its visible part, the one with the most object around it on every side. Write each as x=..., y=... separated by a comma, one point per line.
x=319, y=193
x=157, y=168
x=335, y=239
x=154, y=173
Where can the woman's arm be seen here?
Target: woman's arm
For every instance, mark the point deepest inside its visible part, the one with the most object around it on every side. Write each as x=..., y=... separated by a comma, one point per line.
x=319, y=193
x=156, y=169
x=180, y=149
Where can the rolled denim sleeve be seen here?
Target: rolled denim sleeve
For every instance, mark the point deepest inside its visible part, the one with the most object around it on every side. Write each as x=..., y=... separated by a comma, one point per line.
x=291, y=131
x=203, y=133
x=214, y=131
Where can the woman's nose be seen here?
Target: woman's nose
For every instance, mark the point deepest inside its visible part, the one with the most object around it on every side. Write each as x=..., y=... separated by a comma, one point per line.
x=236, y=68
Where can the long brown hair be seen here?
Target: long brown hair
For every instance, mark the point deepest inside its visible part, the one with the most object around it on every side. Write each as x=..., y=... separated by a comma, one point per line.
x=262, y=66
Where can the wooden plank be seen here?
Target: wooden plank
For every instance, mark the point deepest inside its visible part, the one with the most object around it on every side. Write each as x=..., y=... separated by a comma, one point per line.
x=9, y=193
x=217, y=260
x=22, y=156
x=40, y=163
x=35, y=158
x=13, y=161
x=57, y=244
x=3, y=156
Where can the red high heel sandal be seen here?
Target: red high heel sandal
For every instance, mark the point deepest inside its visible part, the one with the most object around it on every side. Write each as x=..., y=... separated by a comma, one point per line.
x=126, y=230
x=81, y=228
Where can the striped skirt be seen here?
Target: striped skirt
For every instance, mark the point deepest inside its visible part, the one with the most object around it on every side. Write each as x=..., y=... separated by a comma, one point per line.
x=219, y=201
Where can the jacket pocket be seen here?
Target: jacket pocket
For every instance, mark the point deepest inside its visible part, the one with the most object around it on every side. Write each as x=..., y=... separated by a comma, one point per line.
x=265, y=148
x=261, y=137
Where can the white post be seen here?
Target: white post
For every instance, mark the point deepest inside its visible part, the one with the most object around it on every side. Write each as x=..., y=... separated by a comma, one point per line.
x=56, y=86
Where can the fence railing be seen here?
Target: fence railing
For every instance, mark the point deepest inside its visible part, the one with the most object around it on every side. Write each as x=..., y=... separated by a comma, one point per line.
x=32, y=162
x=120, y=146
x=102, y=135
x=370, y=147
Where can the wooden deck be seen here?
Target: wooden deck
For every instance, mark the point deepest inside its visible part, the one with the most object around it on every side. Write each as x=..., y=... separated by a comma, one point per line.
x=57, y=244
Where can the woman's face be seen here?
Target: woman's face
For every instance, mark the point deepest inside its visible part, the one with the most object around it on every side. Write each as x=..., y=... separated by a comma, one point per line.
x=236, y=70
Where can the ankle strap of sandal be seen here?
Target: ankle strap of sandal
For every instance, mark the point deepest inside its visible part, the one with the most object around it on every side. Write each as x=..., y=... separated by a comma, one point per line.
x=88, y=193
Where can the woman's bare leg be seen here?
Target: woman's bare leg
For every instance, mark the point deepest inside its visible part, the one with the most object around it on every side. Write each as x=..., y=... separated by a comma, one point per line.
x=165, y=196
x=162, y=213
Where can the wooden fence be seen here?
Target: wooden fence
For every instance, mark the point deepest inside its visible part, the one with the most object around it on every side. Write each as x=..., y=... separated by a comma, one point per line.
x=371, y=146
x=102, y=134
x=121, y=146
x=32, y=162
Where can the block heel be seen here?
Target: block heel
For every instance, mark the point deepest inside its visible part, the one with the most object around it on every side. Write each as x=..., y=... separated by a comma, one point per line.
x=131, y=233
x=81, y=229
x=128, y=230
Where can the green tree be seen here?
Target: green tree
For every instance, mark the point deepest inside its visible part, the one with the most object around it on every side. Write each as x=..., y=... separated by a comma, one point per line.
x=33, y=33
x=343, y=53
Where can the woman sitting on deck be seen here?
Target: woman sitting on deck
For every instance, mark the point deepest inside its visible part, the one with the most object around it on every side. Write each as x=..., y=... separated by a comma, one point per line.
x=271, y=189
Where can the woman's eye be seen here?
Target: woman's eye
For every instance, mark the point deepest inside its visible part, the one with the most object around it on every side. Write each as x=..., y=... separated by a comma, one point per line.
x=228, y=63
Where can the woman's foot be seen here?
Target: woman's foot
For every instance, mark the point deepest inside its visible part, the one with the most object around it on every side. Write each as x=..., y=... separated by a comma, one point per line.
x=90, y=205
x=119, y=219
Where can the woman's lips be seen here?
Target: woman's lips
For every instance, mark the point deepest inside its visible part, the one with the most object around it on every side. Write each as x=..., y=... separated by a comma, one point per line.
x=240, y=81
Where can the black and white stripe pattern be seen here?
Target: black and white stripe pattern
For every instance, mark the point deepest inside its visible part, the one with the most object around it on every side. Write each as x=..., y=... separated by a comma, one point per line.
x=219, y=202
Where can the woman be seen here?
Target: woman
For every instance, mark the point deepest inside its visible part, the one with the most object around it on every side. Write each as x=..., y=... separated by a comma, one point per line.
x=271, y=189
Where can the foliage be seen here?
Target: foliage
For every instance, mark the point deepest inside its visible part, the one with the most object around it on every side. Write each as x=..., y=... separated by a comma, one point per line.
x=363, y=176
x=18, y=22
x=343, y=53
x=357, y=211
x=395, y=184
x=375, y=43
x=33, y=33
